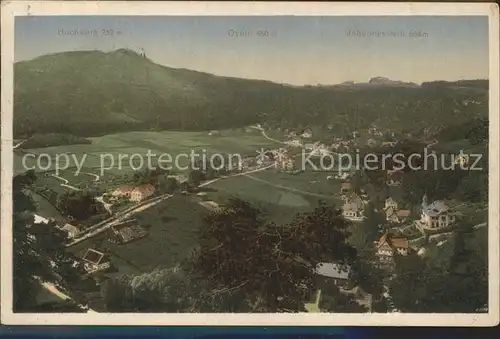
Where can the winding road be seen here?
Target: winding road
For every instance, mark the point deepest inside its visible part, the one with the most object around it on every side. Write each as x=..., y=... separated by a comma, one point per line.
x=66, y=183
x=142, y=206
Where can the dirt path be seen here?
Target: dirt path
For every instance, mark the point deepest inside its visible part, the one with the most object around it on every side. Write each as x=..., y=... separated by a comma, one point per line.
x=264, y=134
x=103, y=226
x=57, y=292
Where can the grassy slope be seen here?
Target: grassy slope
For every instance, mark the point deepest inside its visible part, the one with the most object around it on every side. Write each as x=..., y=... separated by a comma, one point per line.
x=172, y=225
x=120, y=87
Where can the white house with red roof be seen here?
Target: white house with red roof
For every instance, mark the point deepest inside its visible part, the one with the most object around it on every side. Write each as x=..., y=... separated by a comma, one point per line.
x=122, y=191
x=142, y=192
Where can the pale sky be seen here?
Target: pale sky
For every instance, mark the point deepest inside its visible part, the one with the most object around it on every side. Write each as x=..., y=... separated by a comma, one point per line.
x=299, y=50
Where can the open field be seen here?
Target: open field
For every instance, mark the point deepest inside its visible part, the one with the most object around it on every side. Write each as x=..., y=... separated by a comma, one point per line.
x=106, y=149
x=45, y=208
x=280, y=195
x=306, y=182
x=172, y=225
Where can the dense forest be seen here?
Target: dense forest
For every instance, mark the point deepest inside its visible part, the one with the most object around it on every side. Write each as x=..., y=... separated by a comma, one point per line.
x=92, y=93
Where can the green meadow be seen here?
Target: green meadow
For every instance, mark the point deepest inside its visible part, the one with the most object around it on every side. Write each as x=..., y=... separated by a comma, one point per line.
x=106, y=150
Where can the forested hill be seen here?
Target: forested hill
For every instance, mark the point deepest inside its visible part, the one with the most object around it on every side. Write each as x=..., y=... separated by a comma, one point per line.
x=92, y=92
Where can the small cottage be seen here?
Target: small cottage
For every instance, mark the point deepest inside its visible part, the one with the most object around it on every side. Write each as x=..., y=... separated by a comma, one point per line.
x=390, y=245
x=345, y=188
x=337, y=274
x=392, y=212
x=40, y=220
x=142, y=192
x=122, y=191
x=394, y=178
x=127, y=231
x=71, y=230
x=307, y=133
x=95, y=261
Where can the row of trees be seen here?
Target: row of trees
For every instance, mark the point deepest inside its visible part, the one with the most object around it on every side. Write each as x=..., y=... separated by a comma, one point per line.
x=243, y=264
x=451, y=280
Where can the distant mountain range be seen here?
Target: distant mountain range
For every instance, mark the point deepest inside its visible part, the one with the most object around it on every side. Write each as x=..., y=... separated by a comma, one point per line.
x=95, y=92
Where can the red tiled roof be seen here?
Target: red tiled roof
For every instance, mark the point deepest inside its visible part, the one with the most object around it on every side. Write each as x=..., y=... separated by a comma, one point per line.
x=93, y=256
x=395, y=241
x=144, y=188
x=123, y=190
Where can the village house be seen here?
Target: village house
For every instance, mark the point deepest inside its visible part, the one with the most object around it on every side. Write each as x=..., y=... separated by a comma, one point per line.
x=462, y=159
x=245, y=164
x=123, y=191
x=95, y=261
x=341, y=176
x=307, y=133
x=389, y=143
x=182, y=180
x=320, y=150
x=263, y=160
x=142, y=192
x=283, y=162
x=40, y=220
x=397, y=216
x=337, y=275
x=394, y=177
x=353, y=208
x=71, y=230
x=311, y=146
x=345, y=188
x=390, y=245
x=294, y=143
x=334, y=146
x=210, y=205
x=392, y=212
x=127, y=231
x=435, y=217
x=372, y=130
